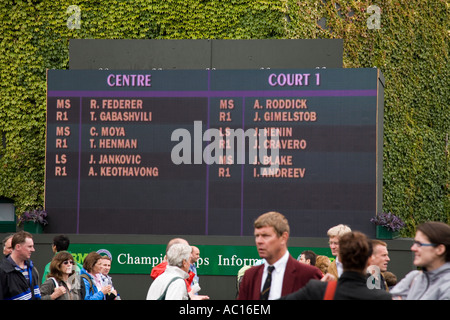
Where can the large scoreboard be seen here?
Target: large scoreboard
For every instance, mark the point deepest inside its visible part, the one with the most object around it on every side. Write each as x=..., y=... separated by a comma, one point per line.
x=204, y=152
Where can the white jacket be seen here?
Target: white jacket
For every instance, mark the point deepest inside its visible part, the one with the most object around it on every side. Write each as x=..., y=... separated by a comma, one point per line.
x=177, y=289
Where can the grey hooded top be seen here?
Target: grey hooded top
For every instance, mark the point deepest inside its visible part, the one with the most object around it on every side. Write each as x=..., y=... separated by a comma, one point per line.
x=425, y=285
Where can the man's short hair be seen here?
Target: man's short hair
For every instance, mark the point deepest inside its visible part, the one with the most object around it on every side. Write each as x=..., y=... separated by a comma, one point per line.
x=6, y=239
x=273, y=219
x=177, y=253
x=311, y=255
x=61, y=243
x=174, y=241
x=338, y=231
x=19, y=238
x=376, y=242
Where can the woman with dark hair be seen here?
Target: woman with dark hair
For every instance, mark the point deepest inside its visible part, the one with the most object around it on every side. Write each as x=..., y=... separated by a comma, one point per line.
x=92, y=266
x=62, y=283
x=431, y=250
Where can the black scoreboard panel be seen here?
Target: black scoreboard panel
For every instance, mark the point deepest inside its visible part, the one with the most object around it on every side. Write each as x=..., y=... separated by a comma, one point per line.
x=147, y=54
x=204, y=152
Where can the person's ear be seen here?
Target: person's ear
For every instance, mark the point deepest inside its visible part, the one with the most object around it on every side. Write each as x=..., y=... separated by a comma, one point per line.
x=285, y=237
x=440, y=249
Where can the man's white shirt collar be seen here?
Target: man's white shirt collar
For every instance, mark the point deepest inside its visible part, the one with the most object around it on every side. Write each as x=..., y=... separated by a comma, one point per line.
x=339, y=267
x=277, y=276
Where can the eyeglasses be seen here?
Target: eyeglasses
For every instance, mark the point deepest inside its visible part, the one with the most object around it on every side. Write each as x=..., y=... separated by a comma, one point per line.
x=420, y=244
x=68, y=261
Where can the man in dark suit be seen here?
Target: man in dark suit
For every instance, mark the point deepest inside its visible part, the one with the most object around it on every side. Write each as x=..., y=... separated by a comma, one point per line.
x=354, y=252
x=288, y=275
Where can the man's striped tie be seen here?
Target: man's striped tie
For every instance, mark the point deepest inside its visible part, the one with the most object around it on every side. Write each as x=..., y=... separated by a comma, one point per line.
x=266, y=289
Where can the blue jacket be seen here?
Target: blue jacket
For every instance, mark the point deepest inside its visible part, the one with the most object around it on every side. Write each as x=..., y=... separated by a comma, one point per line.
x=14, y=286
x=92, y=292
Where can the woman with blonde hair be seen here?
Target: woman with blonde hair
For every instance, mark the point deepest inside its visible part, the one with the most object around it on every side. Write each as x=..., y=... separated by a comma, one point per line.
x=323, y=262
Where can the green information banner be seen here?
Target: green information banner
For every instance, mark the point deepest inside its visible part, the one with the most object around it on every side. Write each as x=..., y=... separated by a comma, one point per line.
x=214, y=259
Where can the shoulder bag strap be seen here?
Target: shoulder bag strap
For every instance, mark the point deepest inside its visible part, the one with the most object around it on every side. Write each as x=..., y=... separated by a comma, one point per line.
x=163, y=296
x=85, y=276
x=54, y=282
x=329, y=292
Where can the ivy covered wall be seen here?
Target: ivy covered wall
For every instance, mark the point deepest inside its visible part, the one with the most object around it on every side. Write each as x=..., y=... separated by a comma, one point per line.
x=407, y=39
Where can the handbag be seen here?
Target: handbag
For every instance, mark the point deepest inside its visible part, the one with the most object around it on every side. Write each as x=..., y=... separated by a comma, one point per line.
x=163, y=296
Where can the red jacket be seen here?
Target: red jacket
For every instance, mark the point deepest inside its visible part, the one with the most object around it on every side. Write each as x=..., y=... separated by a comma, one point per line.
x=160, y=268
x=296, y=275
